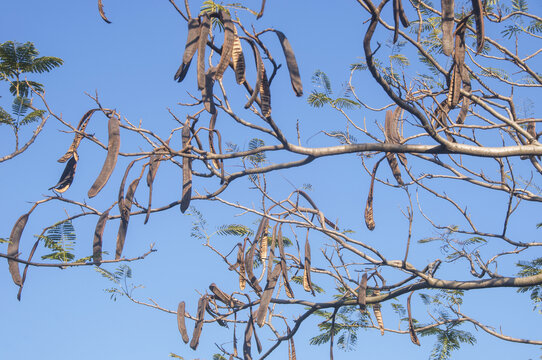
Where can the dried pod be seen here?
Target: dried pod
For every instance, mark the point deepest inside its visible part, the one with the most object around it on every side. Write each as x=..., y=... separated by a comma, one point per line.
x=369, y=217
x=392, y=136
x=227, y=46
x=241, y=261
x=238, y=58
x=295, y=78
x=466, y=101
x=291, y=345
x=447, y=26
x=362, y=292
x=13, y=248
x=154, y=164
x=78, y=137
x=207, y=92
x=249, y=268
x=261, y=238
x=271, y=257
x=260, y=68
x=66, y=178
x=113, y=148
x=265, y=96
x=189, y=49
x=102, y=13
x=307, y=284
x=258, y=343
x=212, y=123
x=267, y=294
x=205, y=27
x=202, y=304
x=378, y=313
x=411, y=330
x=260, y=14
x=402, y=14
x=187, y=169
x=478, y=9
x=247, y=344
x=459, y=63
x=98, y=234
x=125, y=207
x=181, y=323
x=396, y=20
x=394, y=165
x=228, y=300
x=287, y=287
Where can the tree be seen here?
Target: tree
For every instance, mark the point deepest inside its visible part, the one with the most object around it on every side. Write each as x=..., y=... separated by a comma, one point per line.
x=453, y=123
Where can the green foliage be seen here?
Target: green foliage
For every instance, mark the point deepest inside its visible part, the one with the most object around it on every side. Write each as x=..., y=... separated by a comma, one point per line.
x=175, y=356
x=299, y=280
x=234, y=230
x=348, y=321
x=321, y=80
x=259, y=157
x=218, y=357
x=209, y=7
x=448, y=340
x=60, y=238
x=120, y=278
x=530, y=268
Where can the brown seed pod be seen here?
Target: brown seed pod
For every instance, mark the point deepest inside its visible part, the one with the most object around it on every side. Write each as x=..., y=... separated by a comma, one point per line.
x=466, y=101
x=271, y=257
x=378, y=313
x=241, y=261
x=228, y=300
x=260, y=14
x=154, y=163
x=98, y=234
x=227, y=46
x=181, y=323
x=204, y=27
x=478, y=9
x=265, y=96
x=13, y=248
x=66, y=178
x=202, y=304
x=267, y=294
x=459, y=63
x=189, y=49
x=187, y=169
x=125, y=208
x=207, y=92
x=396, y=20
x=369, y=217
x=102, y=13
x=258, y=343
x=78, y=137
x=247, y=344
x=212, y=123
x=113, y=148
x=394, y=165
x=280, y=242
x=291, y=345
x=261, y=238
x=362, y=292
x=307, y=284
x=402, y=14
x=260, y=68
x=295, y=78
x=447, y=26
x=393, y=137
x=249, y=268
x=238, y=58
x=411, y=330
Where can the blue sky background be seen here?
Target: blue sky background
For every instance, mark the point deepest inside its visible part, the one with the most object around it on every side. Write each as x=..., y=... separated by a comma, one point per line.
x=130, y=63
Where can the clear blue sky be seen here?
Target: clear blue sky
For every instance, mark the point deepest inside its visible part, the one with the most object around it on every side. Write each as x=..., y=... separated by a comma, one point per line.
x=130, y=63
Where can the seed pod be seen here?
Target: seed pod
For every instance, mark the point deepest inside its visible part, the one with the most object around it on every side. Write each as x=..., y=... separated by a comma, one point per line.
x=362, y=292
x=271, y=257
x=202, y=304
x=238, y=58
x=113, y=147
x=78, y=137
x=258, y=343
x=154, y=163
x=241, y=261
x=187, y=169
x=287, y=287
x=249, y=268
x=207, y=92
x=212, y=124
x=204, y=27
x=413, y=336
x=378, y=314
x=394, y=165
x=247, y=345
x=98, y=234
x=466, y=101
x=396, y=20
x=295, y=78
x=228, y=300
x=66, y=178
x=392, y=136
x=265, y=96
x=260, y=14
x=369, y=218
x=189, y=49
x=227, y=46
x=259, y=73
x=402, y=14
x=307, y=284
x=267, y=294
x=477, y=8
x=447, y=26
x=181, y=323
x=102, y=13
x=261, y=238
x=291, y=345
x=459, y=63
x=13, y=248
x=125, y=206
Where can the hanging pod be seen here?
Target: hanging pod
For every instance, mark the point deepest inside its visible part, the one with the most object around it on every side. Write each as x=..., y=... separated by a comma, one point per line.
x=207, y=92
x=411, y=330
x=392, y=136
x=13, y=248
x=77, y=137
x=227, y=46
x=287, y=287
x=362, y=292
x=125, y=207
x=205, y=28
x=307, y=283
x=66, y=178
x=98, y=234
x=447, y=25
x=265, y=95
x=259, y=73
x=154, y=164
x=378, y=314
x=202, y=304
x=369, y=217
x=457, y=75
x=181, y=322
x=187, y=169
x=189, y=49
x=102, y=13
x=249, y=268
x=267, y=294
x=113, y=148
x=478, y=10
x=293, y=69
x=238, y=58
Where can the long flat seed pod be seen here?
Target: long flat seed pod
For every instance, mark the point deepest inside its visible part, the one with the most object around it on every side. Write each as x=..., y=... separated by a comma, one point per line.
x=477, y=8
x=267, y=294
x=102, y=13
x=241, y=261
x=459, y=61
x=98, y=234
x=396, y=20
x=307, y=284
x=261, y=238
x=205, y=27
x=181, y=322
x=249, y=268
x=187, y=169
x=280, y=242
x=402, y=14
x=154, y=163
x=78, y=137
x=265, y=95
x=394, y=165
x=247, y=343
x=260, y=14
x=202, y=304
x=228, y=300
x=378, y=314
x=113, y=148
x=291, y=345
x=212, y=124
x=369, y=217
x=13, y=248
x=466, y=101
x=413, y=336
x=32, y=251
x=271, y=257
x=259, y=73
x=227, y=46
x=238, y=58
x=189, y=49
x=447, y=26
x=66, y=178
x=207, y=92
x=126, y=206
x=258, y=343
x=392, y=136
x=295, y=78
x=362, y=292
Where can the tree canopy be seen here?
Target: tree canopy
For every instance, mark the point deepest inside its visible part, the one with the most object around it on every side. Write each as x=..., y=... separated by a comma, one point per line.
x=302, y=190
